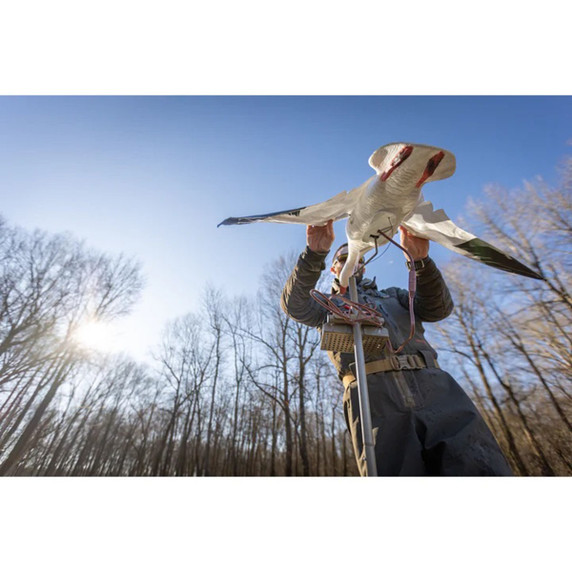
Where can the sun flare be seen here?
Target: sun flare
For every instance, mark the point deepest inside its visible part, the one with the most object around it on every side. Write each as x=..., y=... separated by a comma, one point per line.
x=96, y=335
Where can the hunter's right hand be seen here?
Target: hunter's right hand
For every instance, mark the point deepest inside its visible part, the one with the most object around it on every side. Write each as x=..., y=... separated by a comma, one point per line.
x=320, y=238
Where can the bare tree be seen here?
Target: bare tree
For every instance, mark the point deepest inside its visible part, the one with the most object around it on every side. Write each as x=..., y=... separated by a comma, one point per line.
x=49, y=285
x=515, y=332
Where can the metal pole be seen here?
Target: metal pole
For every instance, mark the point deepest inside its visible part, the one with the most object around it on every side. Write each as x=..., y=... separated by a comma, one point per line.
x=363, y=394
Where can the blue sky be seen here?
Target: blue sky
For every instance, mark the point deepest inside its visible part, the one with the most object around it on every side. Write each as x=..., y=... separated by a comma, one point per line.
x=152, y=176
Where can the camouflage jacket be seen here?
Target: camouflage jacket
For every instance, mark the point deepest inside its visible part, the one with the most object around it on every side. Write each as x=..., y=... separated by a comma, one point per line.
x=432, y=303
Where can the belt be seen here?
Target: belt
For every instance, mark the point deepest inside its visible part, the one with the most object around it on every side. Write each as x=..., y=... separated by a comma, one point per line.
x=393, y=363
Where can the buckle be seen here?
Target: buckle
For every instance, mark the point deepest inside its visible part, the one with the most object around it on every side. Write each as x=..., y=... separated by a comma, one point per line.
x=407, y=361
x=417, y=264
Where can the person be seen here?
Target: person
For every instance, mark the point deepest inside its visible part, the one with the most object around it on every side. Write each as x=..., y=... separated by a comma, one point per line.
x=423, y=422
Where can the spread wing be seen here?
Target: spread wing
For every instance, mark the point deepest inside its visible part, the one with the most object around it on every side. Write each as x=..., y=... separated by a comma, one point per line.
x=336, y=208
x=437, y=226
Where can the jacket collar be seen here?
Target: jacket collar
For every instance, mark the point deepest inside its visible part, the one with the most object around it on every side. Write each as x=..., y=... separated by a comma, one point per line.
x=362, y=284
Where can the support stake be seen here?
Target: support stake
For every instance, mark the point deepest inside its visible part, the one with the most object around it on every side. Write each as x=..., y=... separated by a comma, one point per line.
x=363, y=394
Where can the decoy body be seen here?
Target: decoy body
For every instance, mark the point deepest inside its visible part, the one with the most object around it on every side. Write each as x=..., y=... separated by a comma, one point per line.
x=393, y=197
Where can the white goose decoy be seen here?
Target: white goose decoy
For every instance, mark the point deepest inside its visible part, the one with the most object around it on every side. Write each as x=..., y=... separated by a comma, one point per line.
x=393, y=197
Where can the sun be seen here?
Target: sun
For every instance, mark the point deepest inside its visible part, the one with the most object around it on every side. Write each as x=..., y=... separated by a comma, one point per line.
x=96, y=335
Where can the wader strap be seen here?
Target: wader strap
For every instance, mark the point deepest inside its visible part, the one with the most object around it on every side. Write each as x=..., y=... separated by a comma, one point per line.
x=429, y=359
x=394, y=363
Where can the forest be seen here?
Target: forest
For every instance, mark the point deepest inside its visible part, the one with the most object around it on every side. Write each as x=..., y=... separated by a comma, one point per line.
x=239, y=389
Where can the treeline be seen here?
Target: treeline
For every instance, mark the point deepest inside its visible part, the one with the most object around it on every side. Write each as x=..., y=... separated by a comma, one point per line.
x=509, y=340
x=48, y=287
x=236, y=388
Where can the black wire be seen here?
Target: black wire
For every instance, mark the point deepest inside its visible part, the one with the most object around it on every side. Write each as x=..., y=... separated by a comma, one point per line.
x=375, y=237
x=378, y=255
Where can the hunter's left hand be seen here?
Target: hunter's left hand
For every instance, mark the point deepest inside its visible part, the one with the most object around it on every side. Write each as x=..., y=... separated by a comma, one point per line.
x=417, y=247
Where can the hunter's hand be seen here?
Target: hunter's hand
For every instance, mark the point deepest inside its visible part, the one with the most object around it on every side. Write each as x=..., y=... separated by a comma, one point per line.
x=320, y=238
x=417, y=247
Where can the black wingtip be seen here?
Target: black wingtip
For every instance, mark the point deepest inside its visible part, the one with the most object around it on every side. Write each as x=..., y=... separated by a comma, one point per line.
x=228, y=221
x=492, y=256
x=235, y=220
x=535, y=275
x=259, y=218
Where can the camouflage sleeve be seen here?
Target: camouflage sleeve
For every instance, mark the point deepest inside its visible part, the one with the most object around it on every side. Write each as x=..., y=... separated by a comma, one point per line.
x=433, y=300
x=296, y=300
